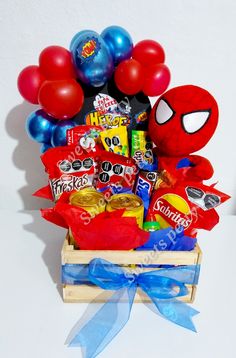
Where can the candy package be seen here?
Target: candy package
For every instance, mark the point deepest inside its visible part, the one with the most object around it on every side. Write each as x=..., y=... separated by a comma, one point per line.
x=115, y=140
x=191, y=205
x=116, y=171
x=69, y=169
x=88, y=137
x=141, y=149
x=145, y=185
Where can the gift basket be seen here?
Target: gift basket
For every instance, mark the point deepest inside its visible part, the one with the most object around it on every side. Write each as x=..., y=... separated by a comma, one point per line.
x=122, y=177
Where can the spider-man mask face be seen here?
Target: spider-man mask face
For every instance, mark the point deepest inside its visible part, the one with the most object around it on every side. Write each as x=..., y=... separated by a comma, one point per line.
x=183, y=120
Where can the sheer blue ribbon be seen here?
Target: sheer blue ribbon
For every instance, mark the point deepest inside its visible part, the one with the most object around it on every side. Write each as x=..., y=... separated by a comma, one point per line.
x=162, y=286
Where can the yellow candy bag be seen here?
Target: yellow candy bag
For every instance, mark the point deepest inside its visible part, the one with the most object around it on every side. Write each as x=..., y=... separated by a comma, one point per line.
x=115, y=140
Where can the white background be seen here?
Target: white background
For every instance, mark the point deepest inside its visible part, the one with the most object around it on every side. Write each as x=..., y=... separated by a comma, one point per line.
x=199, y=40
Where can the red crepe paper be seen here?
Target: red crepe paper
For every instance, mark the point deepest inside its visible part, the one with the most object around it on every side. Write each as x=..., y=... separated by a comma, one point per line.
x=62, y=213
x=109, y=231
x=106, y=231
x=53, y=217
x=44, y=193
x=207, y=220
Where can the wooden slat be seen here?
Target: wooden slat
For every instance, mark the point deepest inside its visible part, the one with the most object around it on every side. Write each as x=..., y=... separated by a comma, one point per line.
x=71, y=256
x=86, y=294
x=199, y=259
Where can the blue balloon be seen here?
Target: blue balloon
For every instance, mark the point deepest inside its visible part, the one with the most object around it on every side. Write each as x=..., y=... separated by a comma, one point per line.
x=44, y=147
x=92, y=58
x=74, y=39
x=119, y=43
x=39, y=126
x=59, y=133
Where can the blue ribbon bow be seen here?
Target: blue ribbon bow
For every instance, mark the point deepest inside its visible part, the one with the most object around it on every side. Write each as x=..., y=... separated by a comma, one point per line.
x=162, y=286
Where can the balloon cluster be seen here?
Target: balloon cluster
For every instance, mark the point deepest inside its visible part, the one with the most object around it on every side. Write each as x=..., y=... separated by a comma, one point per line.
x=145, y=71
x=55, y=83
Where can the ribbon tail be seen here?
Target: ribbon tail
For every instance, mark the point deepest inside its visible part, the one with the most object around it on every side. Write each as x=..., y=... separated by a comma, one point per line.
x=107, y=322
x=176, y=311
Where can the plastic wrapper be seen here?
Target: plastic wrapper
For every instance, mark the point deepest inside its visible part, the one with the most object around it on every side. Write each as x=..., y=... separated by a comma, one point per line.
x=87, y=137
x=69, y=168
x=115, y=140
x=144, y=187
x=116, y=171
x=141, y=149
x=191, y=205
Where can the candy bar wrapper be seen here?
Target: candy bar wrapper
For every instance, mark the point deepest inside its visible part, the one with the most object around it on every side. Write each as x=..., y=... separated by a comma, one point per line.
x=145, y=185
x=191, y=205
x=141, y=150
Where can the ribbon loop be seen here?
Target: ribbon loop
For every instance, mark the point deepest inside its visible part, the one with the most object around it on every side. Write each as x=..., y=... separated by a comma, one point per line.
x=162, y=286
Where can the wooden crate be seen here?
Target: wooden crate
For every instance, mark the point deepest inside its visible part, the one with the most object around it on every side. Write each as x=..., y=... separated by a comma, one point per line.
x=87, y=293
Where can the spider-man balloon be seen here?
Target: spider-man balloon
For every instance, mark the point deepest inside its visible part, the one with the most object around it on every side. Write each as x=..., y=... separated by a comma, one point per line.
x=181, y=122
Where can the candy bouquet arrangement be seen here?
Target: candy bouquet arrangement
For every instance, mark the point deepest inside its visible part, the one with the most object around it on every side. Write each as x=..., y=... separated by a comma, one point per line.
x=122, y=178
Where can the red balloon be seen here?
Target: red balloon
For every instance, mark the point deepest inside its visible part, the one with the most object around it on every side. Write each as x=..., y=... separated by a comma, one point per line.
x=61, y=99
x=56, y=63
x=129, y=77
x=29, y=82
x=157, y=79
x=148, y=53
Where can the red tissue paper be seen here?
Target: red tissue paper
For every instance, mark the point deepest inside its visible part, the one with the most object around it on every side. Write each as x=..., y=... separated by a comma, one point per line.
x=105, y=231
